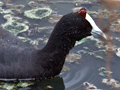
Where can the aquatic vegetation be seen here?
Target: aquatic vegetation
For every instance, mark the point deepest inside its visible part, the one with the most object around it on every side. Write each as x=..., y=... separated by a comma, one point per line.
x=100, y=54
x=33, y=4
x=38, y=13
x=15, y=27
x=105, y=80
x=80, y=42
x=27, y=40
x=12, y=9
x=72, y=57
x=9, y=17
x=97, y=54
x=12, y=6
x=24, y=84
x=89, y=86
x=43, y=40
x=15, y=24
x=54, y=18
x=116, y=26
x=102, y=69
x=8, y=11
x=117, y=38
x=116, y=48
x=36, y=4
x=103, y=72
x=65, y=68
x=15, y=85
x=1, y=3
x=111, y=82
x=82, y=52
x=99, y=43
x=45, y=29
x=35, y=30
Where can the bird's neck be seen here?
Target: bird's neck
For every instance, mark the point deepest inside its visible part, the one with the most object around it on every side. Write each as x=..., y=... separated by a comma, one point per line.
x=60, y=43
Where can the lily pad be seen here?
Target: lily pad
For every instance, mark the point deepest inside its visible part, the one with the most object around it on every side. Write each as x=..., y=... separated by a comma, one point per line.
x=38, y=13
x=15, y=27
x=15, y=24
x=15, y=85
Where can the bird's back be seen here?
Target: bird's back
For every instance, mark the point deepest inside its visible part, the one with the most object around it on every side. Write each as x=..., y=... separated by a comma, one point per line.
x=11, y=46
x=16, y=57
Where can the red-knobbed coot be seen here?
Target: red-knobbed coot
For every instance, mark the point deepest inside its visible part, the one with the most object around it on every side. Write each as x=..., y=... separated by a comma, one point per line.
x=20, y=61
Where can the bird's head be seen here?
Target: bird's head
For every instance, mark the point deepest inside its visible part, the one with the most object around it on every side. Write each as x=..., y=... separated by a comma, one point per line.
x=78, y=25
x=95, y=29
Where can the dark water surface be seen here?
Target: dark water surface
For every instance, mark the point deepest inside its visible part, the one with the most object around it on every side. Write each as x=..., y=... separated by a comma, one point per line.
x=80, y=71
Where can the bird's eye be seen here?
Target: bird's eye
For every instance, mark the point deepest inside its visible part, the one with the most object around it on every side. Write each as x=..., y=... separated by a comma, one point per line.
x=83, y=25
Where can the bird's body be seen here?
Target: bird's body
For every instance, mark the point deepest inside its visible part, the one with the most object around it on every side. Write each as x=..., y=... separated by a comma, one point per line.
x=20, y=61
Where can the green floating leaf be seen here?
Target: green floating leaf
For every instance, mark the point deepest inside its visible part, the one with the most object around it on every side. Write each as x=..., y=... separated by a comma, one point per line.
x=80, y=42
x=15, y=24
x=38, y=13
x=15, y=27
x=24, y=84
x=15, y=85
x=101, y=69
x=103, y=72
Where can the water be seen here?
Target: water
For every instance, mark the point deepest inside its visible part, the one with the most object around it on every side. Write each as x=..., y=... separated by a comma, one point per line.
x=80, y=71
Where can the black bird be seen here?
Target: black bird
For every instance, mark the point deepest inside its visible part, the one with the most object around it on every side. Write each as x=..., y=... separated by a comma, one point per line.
x=20, y=61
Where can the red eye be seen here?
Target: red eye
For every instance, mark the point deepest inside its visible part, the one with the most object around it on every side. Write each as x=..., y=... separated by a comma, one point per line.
x=83, y=25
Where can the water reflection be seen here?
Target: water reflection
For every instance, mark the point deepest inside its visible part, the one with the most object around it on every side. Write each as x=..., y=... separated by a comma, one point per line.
x=55, y=83
x=50, y=84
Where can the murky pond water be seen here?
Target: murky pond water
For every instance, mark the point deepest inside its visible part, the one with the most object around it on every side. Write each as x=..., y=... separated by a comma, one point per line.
x=86, y=61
